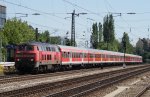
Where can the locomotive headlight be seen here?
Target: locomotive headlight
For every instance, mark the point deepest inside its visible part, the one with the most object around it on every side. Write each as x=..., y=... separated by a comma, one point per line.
x=32, y=59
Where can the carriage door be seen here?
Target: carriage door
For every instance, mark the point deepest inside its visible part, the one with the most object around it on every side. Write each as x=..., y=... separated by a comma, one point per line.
x=82, y=56
x=70, y=57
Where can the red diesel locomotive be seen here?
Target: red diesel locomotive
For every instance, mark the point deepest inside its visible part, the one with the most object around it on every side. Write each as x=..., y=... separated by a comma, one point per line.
x=43, y=56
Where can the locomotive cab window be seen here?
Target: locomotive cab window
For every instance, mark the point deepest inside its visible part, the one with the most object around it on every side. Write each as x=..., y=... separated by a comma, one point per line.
x=29, y=48
x=25, y=48
x=37, y=48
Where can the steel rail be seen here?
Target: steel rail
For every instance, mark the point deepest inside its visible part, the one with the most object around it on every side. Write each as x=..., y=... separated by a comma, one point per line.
x=81, y=90
x=16, y=78
x=49, y=86
x=143, y=91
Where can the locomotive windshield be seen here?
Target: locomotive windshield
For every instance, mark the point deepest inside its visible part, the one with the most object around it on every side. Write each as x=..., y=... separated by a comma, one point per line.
x=25, y=48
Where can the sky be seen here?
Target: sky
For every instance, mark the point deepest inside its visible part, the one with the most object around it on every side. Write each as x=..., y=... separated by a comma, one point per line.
x=56, y=18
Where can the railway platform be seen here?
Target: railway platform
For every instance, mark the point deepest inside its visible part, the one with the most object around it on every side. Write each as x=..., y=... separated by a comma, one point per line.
x=7, y=67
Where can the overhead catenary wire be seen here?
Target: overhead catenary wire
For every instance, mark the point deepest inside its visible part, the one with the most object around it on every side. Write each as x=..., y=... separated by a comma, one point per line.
x=73, y=4
x=98, y=14
x=46, y=26
x=123, y=19
x=35, y=10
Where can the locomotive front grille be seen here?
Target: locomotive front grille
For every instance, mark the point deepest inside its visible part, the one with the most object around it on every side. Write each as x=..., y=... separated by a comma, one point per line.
x=25, y=64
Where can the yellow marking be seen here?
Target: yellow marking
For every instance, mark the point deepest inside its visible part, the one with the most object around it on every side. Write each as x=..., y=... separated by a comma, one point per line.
x=1, y=70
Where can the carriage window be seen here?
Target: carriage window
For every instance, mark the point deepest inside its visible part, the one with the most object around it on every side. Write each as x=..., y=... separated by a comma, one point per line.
x=81, y=55
x=73, y=55
x=103, y=56
x=76, y=55
x=63, y=54
x=91, y=56
x=42, y=57
x=68, y=54
x=84, y=55
x=45, y=57
x=48, y=57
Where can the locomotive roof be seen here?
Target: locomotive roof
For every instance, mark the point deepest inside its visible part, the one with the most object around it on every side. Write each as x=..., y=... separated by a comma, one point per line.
x=39, y=44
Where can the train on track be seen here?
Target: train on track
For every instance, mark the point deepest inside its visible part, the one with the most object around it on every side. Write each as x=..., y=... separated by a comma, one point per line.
x=37, y=56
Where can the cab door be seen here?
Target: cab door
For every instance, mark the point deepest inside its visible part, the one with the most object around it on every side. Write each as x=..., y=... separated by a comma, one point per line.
x=58, y=56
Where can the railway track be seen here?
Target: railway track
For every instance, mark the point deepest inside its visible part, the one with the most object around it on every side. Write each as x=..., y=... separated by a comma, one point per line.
x=83, y=89
x=17, y=78
x=139, y=94
x=78, y=86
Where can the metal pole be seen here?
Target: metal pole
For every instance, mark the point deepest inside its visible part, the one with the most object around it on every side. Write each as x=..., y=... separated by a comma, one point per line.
x=87, y=44
x=124, y=46
x=36, y=34
x=73, y=42
x=124, y=59
x=73, y=29
x=0, y=49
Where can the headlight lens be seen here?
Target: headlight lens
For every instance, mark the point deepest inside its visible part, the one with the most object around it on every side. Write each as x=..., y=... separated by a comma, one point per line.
x=32, y=59
x=18, y=59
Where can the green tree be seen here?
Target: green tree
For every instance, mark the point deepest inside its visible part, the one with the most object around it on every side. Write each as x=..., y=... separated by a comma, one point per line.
x=100, y=33
x=100, y=36
x=17, y=31
x=44, y=36
x=47, y=35
x=145, y=44
x=108, y=32
x=139, y=47
x=94, y=36
x=106, y=29
x=67, y=41
x=128, y=45
x=55, y=40
x=143, y=49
